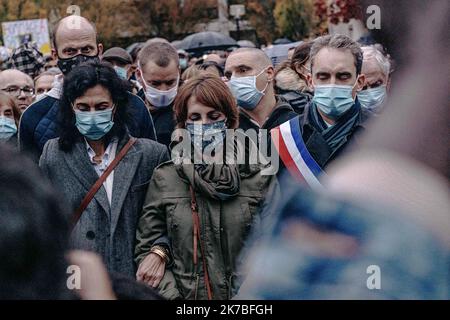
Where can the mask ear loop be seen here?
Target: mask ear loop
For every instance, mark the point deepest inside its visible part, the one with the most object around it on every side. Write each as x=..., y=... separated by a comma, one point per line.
x=356, y=82
x=267, y=84
x=113, y=111
x=140, y=74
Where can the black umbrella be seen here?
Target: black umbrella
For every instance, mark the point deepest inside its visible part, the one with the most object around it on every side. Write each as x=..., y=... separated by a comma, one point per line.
x=209, y=40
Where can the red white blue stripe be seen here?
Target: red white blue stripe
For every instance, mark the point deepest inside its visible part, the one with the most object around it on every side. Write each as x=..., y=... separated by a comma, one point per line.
x=294, y=154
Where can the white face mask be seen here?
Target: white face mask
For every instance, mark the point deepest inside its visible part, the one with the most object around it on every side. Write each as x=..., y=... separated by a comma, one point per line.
x=159, y=98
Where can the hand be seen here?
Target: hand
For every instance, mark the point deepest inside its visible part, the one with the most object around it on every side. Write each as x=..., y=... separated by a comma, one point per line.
x=95, y=283
x=151, y=270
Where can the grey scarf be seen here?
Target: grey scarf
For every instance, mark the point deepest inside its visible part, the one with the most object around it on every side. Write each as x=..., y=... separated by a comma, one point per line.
x=217, y=181
x=335, y=134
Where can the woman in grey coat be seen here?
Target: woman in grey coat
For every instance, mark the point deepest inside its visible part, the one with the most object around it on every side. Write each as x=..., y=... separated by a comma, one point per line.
x=93, y=115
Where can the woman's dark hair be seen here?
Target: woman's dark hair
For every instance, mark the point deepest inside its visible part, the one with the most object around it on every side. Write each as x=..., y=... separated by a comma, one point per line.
x=76, y=83
x=34, y=232
x=300, y=56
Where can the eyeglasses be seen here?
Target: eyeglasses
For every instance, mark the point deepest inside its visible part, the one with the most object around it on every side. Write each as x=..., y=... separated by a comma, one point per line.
x=15, y=91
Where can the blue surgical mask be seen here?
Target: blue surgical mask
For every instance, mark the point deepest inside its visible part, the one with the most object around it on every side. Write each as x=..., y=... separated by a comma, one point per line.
x=121, y=72
x=333, y=100
x=245, y=91
x=209, y=134
x=95, y=124
x=8, y=128
x=372, y=99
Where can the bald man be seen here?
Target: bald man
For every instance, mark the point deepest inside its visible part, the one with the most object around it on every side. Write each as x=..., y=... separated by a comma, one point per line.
x=19, y=85
x=259, y=107
x=74, y=42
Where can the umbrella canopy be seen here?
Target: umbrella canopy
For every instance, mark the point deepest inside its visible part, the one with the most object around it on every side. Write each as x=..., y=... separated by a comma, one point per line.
x=208, y=40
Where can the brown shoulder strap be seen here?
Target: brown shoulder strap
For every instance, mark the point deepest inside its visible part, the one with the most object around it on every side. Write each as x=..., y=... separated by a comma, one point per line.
x=197, y=237
x=90, y=195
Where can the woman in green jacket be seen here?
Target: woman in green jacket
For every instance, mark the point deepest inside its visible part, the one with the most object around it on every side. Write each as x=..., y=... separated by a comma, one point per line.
x=203, y=212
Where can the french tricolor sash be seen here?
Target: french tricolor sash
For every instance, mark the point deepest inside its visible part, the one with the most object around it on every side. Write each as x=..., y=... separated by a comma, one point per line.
x=289, y=143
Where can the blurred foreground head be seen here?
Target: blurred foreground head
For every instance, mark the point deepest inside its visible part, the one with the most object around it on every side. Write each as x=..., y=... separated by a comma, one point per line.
x=385, y=231
x=416, y=124
x=33, y=233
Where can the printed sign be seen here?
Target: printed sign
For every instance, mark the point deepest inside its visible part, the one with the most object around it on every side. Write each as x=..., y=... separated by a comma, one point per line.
x=17, y=32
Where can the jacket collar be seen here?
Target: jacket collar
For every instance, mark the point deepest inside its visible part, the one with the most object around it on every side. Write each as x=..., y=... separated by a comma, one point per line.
x=78, y=161
x=279, y=115
x=315, y=142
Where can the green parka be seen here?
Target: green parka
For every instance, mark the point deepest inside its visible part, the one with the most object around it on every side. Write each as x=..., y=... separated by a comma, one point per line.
x=225, y=225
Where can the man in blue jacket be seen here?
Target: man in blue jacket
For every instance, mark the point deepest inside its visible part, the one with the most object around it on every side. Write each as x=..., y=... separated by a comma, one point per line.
x=75, y=42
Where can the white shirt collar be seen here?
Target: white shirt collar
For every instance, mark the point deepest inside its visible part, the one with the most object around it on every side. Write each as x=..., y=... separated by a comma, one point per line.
x=112, y=146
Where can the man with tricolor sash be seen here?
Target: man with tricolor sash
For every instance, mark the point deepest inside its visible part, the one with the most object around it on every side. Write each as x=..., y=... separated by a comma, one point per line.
x=307, y=144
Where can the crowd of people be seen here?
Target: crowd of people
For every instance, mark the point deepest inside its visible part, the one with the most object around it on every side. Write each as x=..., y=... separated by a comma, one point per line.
x=101, y=182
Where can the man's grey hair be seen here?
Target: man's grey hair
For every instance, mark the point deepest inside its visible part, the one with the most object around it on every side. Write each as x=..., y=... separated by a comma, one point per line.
x=341, y=42
x=370, y=52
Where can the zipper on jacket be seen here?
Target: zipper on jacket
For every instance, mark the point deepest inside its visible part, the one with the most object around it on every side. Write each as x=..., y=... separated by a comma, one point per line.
x=230, y=287
x=197, y=278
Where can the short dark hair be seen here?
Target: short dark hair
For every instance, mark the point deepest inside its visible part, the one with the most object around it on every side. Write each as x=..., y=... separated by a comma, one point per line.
x=161, y=53
x=76, y=83
x=338, y=41
x=34, y=232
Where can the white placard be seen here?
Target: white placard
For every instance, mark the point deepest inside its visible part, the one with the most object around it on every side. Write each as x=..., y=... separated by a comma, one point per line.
x=14, y=33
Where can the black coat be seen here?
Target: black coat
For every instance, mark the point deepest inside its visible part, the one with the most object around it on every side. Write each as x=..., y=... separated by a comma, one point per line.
x=281, y=113
x=297, y=99
x=318, y=147
x=164, y=121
